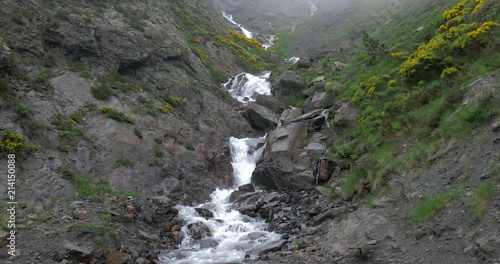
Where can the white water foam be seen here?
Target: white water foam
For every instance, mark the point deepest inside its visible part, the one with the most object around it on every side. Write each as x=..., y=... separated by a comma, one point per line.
x=230, y=229
x=245, y=31
x=245, y=85
x=292, y=60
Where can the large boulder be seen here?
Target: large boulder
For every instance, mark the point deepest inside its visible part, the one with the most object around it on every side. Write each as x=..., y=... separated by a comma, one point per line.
x=288, y=83
x=285, y=170
x=290, y=137
x=290, y=114
x=345, y=114
x=271, y=103
x=315, y=102
x=261, y=117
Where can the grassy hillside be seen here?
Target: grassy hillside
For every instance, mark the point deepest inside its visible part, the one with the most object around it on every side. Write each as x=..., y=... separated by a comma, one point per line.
x=407, y=64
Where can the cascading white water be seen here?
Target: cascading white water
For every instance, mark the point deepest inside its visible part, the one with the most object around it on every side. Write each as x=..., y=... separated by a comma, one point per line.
x=233, y=234
x=292, y=60
x=245, y=85
x=229, y=228
x=229, y=17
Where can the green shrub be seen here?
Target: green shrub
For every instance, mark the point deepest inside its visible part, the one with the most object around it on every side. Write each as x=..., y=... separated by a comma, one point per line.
x=345, y=151
x=77, y=116
x=116, y=115
x=138, y=133
x=102, y=91
x=23, y=111
x=123, y=163
x=79, y=67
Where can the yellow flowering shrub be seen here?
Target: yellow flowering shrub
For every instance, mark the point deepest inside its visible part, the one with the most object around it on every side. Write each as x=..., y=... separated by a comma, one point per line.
x=424, y=56
x=397, y=55
x=10, y=142
x=235, y=36
x=104, y=109
x=165, y=108
x=448, y=72
x=391, y=83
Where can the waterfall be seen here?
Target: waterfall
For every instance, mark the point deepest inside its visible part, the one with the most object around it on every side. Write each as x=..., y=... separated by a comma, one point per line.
x=245, y=31
x=233, y=234
x=245, y=85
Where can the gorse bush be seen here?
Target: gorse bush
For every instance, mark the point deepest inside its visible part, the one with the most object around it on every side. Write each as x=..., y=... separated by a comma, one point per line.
x=116, y=115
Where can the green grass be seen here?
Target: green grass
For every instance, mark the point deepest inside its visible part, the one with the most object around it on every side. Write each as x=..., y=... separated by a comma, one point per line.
x=480, y=199
x=88, y=187
x=77, y=116
x=138, y=133
x=69, y=132
x=426, y=209
x=123, y=163
x=23, y=111
x=354, y=183
x=461, y=123
x=79, y=67
x=102, y=91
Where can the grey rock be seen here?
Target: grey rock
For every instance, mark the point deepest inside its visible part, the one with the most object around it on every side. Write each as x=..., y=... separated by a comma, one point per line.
x=490, y=244
x=288, y=83
x=247, y=188
x=261, y=117
x=315, y=102
x=235, y=195
x=199, y=230
x=271, y=103
x=290, y=114
x=330, y=214
x=77, y=253
x=208, y=242
x=223, y=170
x=304, y=62
x=205, y=213
x=266, y=248
x=149, y=237
x=248, y=204
x=289, y=137
x=345, y=113
x=5, y=56
x=284, y=170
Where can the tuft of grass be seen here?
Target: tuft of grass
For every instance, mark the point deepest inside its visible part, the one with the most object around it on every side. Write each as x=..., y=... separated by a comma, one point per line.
x=116, y=115
x=79, y=67
x=353, y=184
x=23, y=111
x=123, y=163
x=345, y=151
x=428, y=208
x=480, y=199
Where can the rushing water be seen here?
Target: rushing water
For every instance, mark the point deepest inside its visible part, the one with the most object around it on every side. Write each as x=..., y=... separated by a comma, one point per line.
x=245, y=85
x=233, y=234
x=244, y=30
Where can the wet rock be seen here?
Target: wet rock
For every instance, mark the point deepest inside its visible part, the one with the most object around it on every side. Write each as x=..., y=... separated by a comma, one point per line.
x=205, y=213
x=315, y=102
x=235, y=195
x=253, y=236
x=490, y=244
x=287, y=83
x=345, y=113
x=116, y=257
x=247, y=204
x=261, y=117
x=324, y=169
x=247, y=188
x=223, y=170
x=266, y=248
x=208, y=242
x=199, y=230
x=271, y=103
x=304, y=62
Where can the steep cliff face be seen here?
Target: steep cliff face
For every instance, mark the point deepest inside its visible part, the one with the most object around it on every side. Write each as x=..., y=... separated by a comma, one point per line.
x=114, y=90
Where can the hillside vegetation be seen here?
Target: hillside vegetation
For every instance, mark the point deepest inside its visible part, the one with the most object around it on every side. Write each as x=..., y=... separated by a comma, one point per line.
x=406, y=68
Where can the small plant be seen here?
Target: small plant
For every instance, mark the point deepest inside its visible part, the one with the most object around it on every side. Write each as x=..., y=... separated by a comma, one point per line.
x=138, y=133
x=23, y=111
x=77, y=116
x=123, y=163
x=116, y=115
x=64, y=148
x=345, y=151
x=10, y=142
x=428, y=208
x=480, y=199
x=79, y=67
x=102, y=91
